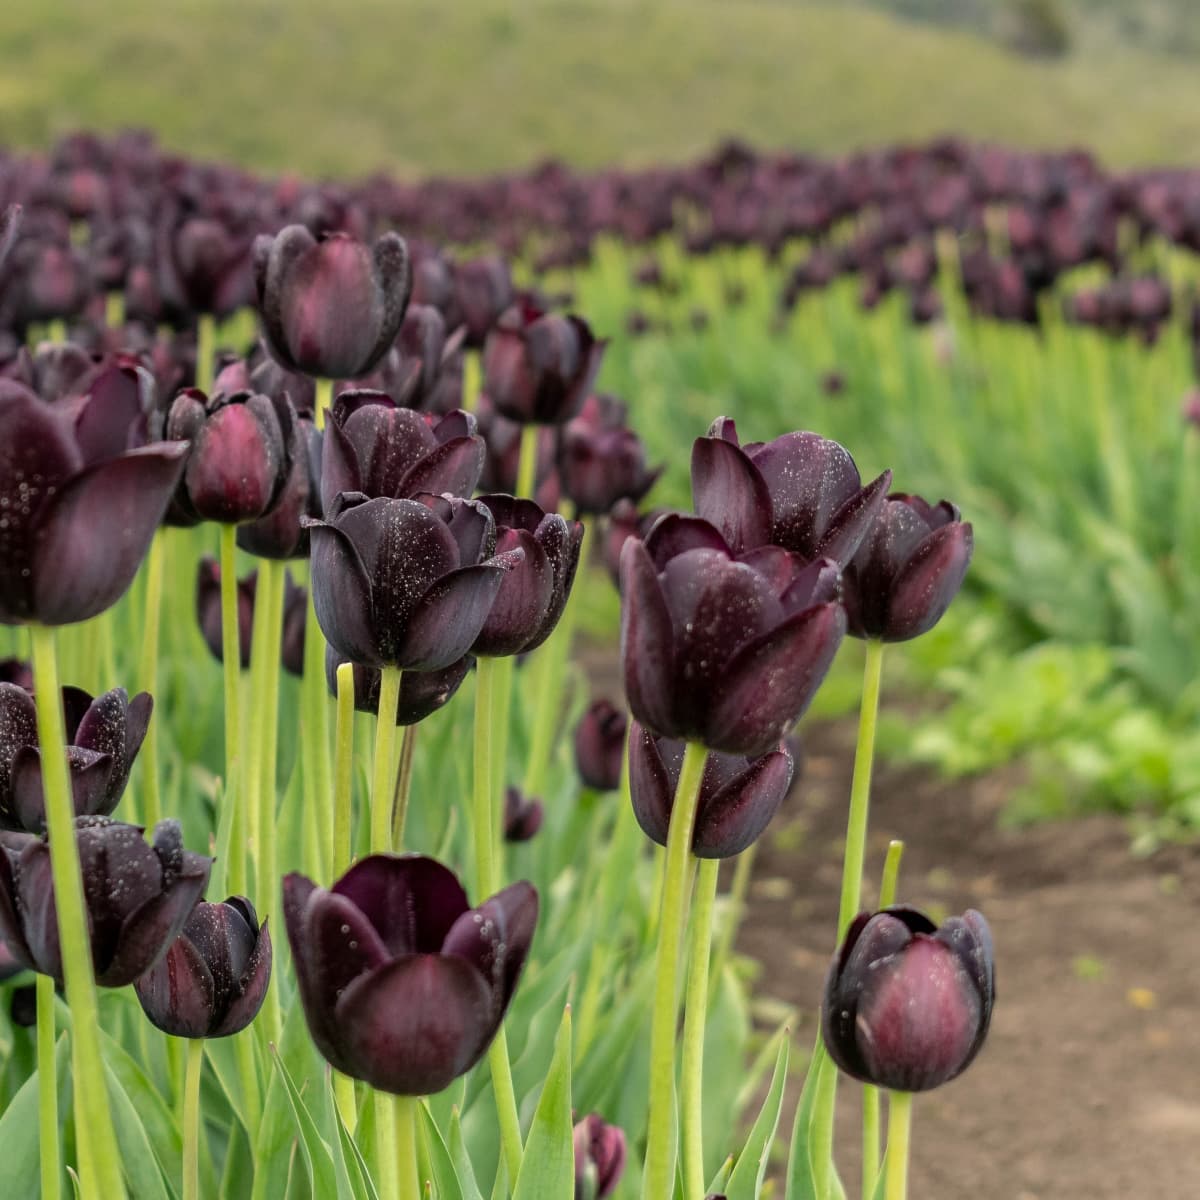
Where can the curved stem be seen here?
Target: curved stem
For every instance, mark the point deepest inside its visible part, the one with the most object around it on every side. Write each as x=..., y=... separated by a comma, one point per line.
x=49, y=1151
x=408, y=745
x=386, y=1161
x=899, y=1134
x=695, y=1014
x=343, y=799
x=527, y=461
x=191, y=1119
x=660, y=1166
x=148, y=676
x=385, y=739
x=406, y=1147
x=206, y=351
x=91, y=1094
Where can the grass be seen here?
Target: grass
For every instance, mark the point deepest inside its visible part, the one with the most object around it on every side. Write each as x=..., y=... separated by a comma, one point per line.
x=423, y=86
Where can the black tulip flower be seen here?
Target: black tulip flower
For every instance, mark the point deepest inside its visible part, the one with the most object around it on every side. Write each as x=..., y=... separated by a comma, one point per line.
x=738, y=795
x=331, y=308
x=403, y=983
x=800, y=491
x=600, y=745
x=18, y=671
x=907, y=1004
x=208, y=609
x=503, y=438
x=907, y=570
x=103, y=737
x=53, y=370
x=240, y=460
x=600, y=1154
x=53, y=281
x=112, y=403
x=721, y=649
x=539, y=367
x=601, y=460
x=424, y=355
x=482, y=290
x=522, y=815
x=213, y=979
x=624, y=522
x=422, y=693
x=402, y=583
x=137, y=896
x=203, y=267
x=533, y=595
x=374, y=447
x=279, y=534
x=75, y=528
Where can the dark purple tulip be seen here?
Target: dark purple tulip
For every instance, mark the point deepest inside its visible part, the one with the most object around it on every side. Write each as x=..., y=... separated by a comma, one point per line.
x=907, y=1004
x=421, y=692
x=203, y=267
x=331, y=308
x=533, y=595
x=208, y=610
x=601, y=460
x=279, y=535
x=10, y=225
x=103, y=738
x=240, y=460
x=374, y=447
x=76, y=528
x=522, y=815
x=624, y=522
x=600, y=745
x=18, y=671
x=599, y=1158
x=112, y=403
x=405, y=584
x=539, y=367
x=403, y=983
x=482, y=291
x=424, y=356
x=213, y=979
x=138, y=897
x=907, y=570
x=52, y=280
x=801, y=492
x=719, y=649
x=738, y=795
x=53, y=370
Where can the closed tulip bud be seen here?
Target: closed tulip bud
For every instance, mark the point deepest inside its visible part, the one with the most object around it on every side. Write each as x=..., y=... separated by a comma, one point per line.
x=482, y=291
x=722, y=649
x=907, y=570
x=600, y=745
x=111, y=404
x=599, y=1158
x=422, y=693
x=539, y=367
x=404, y=985
x=522, y=815
x=425, y=354
x=52, y=281
x=800, y=491
x=405, y=584
x=203, y=267
x=907, y=1004
x=76, y=528
x=601, y=459
x=208, y=610
x=137, y=897
x=214, y=977
x=331, y=308
x=738, y=795
x=503, y=438
x=103, y=738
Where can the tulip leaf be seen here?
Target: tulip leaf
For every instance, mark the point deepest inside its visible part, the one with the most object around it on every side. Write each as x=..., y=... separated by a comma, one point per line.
x=324, y=1179
x=462, y=1161
x=720, y=1181
x=548, y=1168
x=139, y=1164
x=436, y=1157
x=21, y=1159
x=747, y=1179
x=222, y=1057
x=801, y=1175
x=356, y=1166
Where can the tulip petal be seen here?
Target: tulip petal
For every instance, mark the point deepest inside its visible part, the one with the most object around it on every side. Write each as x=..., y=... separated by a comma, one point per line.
x=650, y=786
x=178, y=993
x=250, y=989
x=928, y=582
x=342, y=595
x=18, y=728
x=647, y=641
x=853, y=521
x=729, y=492
x=496, y=937
x=449, y=617
x=522, y=600
x=12, y=934
x=736, y=816
x=454, y=468
x=90, y=774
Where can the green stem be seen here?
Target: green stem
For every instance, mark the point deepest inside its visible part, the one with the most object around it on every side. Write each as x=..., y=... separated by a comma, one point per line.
x=91, y=1095
x=695, y=1014
x=148, y=677
x=56, y=330
x=231, y=653
x=408, y=745
x=406, y=1147
x=501, y=703
x=315, y=707
x=891, y=873
x=343, y=769
x=899, y=1134
x=206, y=351
x=527, y=461
x=660, y=1166
x=49, y=1152
x=471, y=380
x=114, y=309
x=322, y=401
x=743, y=872
x=344, y=1098
x=191, y=1119
x=243, y=1044
x=385, y=739
x=256, y=717
x=386, y=1161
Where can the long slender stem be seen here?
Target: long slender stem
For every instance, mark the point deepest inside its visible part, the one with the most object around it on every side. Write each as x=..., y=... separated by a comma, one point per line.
x=660, y=1166
x=386, y=1161
x=206, y=351
x=231, y=654
x=256, y=718
x=501, y=704
x=343, y=769
x=243, y=1044
x=49, y=1152
x=91, y=1095
x=408, y=745
x=527, y=461
x=315, y=707
x=406, y=1147
x=695, y=1014
x=385, y=739
x=899, y=1135
x=471, y=380
x=271, y=581
x=191, y=1119
x=148, y=677
x=114, y=309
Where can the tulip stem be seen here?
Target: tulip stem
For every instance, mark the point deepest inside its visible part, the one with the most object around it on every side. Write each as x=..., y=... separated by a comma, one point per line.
x=406, y=1147
x=899, y=1133
x=114, y=309
x=191, y=1119
x=315, y=708
x=382, y=790
x=206, y=351
x=660, y=1165
x=343, y=769
x=49, y=1153
x=91, y=1097
x=891, y=873
x=322, y=401
x=408, y=745
x=501, y=704
x=232, y=662
x=148, y=676
x=347, y=1103
x=386, y=1156
x=695, y=1015
x=527, y=461
x=471, y=380
x=743, y=871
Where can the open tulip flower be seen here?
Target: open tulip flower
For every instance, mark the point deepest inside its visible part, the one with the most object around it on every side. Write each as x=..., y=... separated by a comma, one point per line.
x=77, y=525
x=600, y=745
x=404, y=984
x=907, y=1004
x=103, y=738
x=722, y=649
x=137, y=897
x=601, y=460
x=422, y=693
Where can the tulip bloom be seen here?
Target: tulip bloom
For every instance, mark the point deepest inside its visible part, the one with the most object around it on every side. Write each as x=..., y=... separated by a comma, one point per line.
x=522, y=816
x=213, y=979
x=907, y=1004
x=600, y=745
x=137, y=897
x=103, y=738
x=601, y=460
x=422, y=693
x=404, y=985
x=600, y=1154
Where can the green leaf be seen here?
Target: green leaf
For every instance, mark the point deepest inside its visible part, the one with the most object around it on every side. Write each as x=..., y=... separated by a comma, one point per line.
x=462, y=1160
x=318, y=1158
x=437, y=1157
x=21, y=1157
x=720, y=1181
x=143, y=1175
x=548, y=1168
x=801, y=1178
x=747, y=1179
x=356, y=1166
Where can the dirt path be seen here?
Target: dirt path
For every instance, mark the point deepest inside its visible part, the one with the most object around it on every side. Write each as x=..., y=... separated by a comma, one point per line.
x=1089, y=1086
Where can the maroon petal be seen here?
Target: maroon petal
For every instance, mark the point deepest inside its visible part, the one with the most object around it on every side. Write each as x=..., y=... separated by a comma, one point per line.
x=454, y=468
x=676, y=533
x=251, y=988
x=729, y=492
x=736, y=816
x=929, y=581
x=650, y=786
x=496, y=938
x=90, y=773
x=647, y=640
x=342, y=595
x=177, y=994
x=853, y=521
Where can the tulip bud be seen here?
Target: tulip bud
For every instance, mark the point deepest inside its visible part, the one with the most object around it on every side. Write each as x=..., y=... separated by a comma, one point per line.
x=279, y=534
x=522, y=817
x=599, y=1158
x=600, y=746
x=203, y=267
x=602, y=460
x=18, y=671
x=482, y=290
